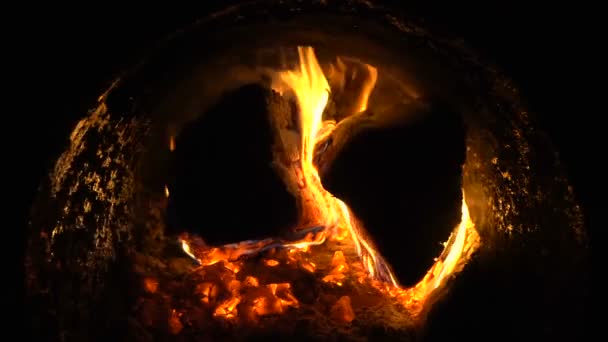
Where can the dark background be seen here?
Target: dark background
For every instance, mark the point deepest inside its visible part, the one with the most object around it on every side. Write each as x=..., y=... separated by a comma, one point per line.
x=72, y=53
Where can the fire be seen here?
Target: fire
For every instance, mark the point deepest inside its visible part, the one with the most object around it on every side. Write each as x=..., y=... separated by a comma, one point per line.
x=463, y=242
x=311, y=90
x=186, y=248
x=339, y=75
x=227, y=309
x=271, y=262
x=323, y=218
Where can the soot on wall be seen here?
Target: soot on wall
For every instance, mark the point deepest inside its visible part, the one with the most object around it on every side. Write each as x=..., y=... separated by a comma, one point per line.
x=224, y=187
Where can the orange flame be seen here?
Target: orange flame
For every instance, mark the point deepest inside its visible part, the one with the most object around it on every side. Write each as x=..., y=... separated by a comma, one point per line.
x=312, y=92
x=444, y=267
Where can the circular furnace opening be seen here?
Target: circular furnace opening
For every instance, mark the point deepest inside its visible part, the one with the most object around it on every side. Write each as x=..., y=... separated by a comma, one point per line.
x=440, y=176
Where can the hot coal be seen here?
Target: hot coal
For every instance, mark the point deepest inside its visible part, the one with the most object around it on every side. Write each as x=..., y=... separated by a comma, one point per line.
x=404, y=183
x=224, y=186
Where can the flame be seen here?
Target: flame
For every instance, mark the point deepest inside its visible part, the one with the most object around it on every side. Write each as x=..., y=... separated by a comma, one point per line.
x=443, y=268
x=459, y=248
x=311, y=90
x=166, y=191
x=312, y=93
x=186, y=249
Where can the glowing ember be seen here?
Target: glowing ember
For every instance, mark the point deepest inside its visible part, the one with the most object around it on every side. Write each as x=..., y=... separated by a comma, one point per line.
x=186, y=249
x=271, y=262
x=175, y=324
x=464, y=242
x=227, y=309
x=150, y=285
x=324, y=220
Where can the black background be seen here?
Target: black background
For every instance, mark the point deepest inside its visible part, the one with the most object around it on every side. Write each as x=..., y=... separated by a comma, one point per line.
x=72, y=52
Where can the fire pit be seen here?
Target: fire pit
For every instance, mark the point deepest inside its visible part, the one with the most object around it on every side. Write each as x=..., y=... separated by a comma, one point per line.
x=248, y=183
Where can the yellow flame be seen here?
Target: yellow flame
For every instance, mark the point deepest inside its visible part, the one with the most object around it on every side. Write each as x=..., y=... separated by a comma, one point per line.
x=166, y=191
x=311, y=90
x=186, y=249
x=465, y=242
x=446, y=266
x=458, y=245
